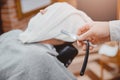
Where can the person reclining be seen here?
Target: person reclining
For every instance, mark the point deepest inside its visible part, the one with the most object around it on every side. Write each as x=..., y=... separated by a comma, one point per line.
x=30, y=54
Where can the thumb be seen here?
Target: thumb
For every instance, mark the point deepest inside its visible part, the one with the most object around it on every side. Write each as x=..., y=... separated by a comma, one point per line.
x=85, y=36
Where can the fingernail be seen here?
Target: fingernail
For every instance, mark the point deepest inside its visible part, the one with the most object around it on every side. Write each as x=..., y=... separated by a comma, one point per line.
x=78, y=43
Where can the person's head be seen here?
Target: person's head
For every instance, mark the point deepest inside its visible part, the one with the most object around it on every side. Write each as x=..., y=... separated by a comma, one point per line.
x=51, y=41
x=46, y=28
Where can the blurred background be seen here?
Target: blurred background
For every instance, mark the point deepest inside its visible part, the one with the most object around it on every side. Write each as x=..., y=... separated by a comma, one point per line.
x=15, y=14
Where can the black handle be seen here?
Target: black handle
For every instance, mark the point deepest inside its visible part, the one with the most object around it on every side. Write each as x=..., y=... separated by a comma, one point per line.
x=85, y=59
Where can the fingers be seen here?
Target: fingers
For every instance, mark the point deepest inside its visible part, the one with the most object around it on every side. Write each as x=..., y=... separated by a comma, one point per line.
x=83, y=29
x=79, y=43
x=85, y=33
x=86, y=36
x=43, y=11
x=84, y=47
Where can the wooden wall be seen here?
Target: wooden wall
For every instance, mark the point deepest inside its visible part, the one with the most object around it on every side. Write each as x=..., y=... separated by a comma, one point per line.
x=2, y=2
x=104, y=10
x=118, y=9
x=10, y=18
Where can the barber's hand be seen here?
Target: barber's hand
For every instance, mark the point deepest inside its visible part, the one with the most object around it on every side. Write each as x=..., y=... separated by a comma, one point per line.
x=96, y=33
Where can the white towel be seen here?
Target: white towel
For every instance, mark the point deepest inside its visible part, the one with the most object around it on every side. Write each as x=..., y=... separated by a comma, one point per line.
x=107, y=50
x=59, y=16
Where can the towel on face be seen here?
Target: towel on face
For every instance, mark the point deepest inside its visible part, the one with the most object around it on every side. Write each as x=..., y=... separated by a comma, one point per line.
x=59, y=16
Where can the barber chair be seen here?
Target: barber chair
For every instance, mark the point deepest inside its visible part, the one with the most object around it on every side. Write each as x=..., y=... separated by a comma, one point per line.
x=115, y=60
x=67, y=53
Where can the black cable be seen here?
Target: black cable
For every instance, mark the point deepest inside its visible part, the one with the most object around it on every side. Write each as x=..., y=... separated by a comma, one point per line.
x=85, y=59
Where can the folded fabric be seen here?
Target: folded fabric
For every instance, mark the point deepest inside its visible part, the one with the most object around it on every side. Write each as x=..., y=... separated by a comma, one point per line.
x=107, y=50
x=59, y=16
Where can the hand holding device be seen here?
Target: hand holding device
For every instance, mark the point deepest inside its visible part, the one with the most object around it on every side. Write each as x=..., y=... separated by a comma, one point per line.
x=75, y=37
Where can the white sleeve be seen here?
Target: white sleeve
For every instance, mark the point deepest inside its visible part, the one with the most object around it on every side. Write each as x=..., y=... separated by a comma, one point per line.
x=114, y=30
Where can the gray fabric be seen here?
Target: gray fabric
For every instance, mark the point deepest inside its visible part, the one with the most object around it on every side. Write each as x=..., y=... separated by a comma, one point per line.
x=29, y=61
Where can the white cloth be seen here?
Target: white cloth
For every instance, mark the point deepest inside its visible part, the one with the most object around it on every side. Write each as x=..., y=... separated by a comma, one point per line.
x=107, y=50
x=59, y=16
x=115, y=30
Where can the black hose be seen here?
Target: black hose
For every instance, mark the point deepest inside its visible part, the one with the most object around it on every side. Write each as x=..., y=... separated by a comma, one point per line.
x=85, y=59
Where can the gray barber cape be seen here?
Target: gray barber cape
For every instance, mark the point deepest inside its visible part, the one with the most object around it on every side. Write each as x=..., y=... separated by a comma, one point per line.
x=34, y=61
